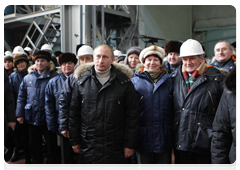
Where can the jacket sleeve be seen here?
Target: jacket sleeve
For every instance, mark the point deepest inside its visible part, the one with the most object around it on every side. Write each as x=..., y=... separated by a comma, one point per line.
x=50, y=107
x=75, y=117
x=64, y=103
x=22, y=99
x=13, y=90
x=9, y=103
x=131, y=117
x=222, y=139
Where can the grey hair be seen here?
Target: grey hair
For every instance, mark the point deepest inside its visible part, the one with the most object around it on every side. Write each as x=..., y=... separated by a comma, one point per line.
x=228, y=43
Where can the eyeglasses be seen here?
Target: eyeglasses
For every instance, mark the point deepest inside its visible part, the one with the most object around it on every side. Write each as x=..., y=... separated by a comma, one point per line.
x=222, y=49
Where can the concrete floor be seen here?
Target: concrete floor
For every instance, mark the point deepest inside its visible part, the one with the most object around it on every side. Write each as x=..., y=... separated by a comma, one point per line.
x=20, y=165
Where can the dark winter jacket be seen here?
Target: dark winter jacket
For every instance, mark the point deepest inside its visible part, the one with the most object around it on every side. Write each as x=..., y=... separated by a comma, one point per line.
x=223, y=146
x=194, y=111
x=31, y=96
x=172, y=71
x=103, y=119
x=9, y=104
x=52, y=93
x=229, y=65
x=156, y=111
x=64, y=102
x=15, y=80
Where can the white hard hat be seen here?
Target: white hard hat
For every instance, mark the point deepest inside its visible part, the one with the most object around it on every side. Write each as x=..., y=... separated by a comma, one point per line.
x=84, y=50
x=7, y=53
x=46, y=47
x=117, y=52
x=153, y=49
x=18, y=50
x=191, y=48
x=27, y=49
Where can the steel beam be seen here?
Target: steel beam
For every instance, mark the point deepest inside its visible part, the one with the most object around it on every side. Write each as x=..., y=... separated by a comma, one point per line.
x=31, y=15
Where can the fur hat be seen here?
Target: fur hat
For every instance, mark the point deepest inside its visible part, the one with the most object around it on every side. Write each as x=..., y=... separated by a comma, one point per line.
x=172, y=46
x=42, y=54
x=152, y=50
x=8, y=58
x=20, y=57
x=67, y=57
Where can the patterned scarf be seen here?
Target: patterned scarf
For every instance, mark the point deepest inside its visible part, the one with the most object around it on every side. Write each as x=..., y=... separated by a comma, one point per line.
x=197, y=73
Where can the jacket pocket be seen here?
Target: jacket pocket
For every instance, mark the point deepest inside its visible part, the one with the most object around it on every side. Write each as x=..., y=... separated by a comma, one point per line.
x=203, y=137
x=28, y=112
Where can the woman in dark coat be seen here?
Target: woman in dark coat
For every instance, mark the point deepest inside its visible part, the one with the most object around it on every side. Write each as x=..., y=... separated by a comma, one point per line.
x=154, y=91
x=21, y=65
x=223, y=146
x=8, y=64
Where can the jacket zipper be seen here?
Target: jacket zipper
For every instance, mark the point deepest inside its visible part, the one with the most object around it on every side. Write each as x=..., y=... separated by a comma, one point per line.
x=140, y=99
x=212, y=100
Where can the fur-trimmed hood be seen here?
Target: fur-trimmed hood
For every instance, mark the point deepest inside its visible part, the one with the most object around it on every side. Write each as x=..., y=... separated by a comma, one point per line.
x=230, y=80
x=140, y=66
x=87, y=66
x=32, y=67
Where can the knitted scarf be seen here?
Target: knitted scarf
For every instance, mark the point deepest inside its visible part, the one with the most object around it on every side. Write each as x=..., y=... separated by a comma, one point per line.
x=197, y=73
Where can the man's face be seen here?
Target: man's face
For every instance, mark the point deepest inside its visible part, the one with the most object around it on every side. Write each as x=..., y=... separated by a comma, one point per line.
x=85, y=59
x=68, y=68
x=191, y=63
x=41, y=64
x=102, y=58
x=173, y=59
x=222, y=52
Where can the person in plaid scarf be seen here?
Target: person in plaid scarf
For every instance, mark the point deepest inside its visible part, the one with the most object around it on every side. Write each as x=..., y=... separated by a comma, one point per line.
x=197, y=90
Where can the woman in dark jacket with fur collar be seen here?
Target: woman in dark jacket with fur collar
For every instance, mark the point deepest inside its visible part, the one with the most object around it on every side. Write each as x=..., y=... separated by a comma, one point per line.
x=223, y=146
x=154, y=91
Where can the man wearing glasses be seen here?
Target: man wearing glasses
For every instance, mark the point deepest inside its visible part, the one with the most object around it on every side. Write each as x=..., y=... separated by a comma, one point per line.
x=224, y=56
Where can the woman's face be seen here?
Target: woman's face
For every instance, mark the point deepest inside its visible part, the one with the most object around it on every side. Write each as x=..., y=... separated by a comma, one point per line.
x=21, y=65
x=133, y=60
x=8, y=64
x=152, y=63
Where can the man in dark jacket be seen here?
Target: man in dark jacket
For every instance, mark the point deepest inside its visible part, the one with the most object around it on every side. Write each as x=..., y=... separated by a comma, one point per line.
x=197, y=91
x=67, y=61
x=223, y=146
x=172, y=50
x=104, y=117
x=224, y=56
x=31, y=107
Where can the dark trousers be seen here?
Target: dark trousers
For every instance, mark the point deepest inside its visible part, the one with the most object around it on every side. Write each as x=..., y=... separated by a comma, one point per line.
x=154, y=158
x=35, y=144
x=25, y=141
x=67, y=154
x=184, y=157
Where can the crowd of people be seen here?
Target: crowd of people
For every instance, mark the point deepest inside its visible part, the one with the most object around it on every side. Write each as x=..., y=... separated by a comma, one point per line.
x=157, y=105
